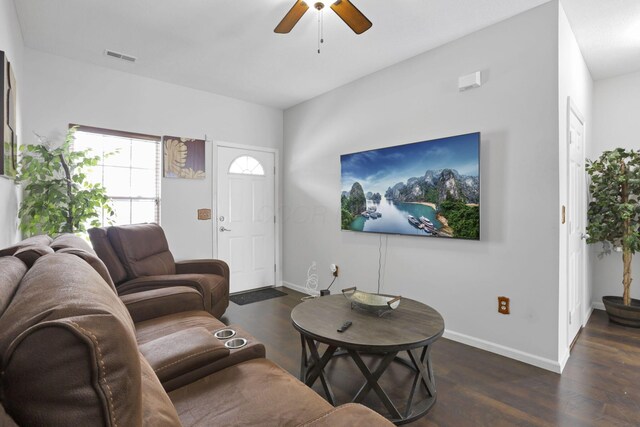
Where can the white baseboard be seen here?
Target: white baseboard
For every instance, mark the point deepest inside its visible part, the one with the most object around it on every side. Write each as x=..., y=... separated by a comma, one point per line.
x=563, y=361
x=548, y=364
x=300, y=288
x=598, y=305
x=587, y=316
x=531, y=359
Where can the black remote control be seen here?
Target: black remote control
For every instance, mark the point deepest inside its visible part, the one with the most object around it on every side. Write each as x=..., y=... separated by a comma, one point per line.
x=344, y=326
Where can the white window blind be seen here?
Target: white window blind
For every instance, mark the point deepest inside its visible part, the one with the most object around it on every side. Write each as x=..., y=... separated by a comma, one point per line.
x=131, y=173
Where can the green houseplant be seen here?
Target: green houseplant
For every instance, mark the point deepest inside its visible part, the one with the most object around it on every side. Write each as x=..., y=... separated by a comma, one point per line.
x=57, y=196
x=614, y=219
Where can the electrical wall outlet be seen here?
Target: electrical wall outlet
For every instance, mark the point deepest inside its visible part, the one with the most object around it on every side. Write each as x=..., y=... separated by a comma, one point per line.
x=503, y=305
x=334, y=270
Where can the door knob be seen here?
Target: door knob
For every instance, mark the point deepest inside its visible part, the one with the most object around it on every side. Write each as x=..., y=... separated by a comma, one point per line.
x=224, y=229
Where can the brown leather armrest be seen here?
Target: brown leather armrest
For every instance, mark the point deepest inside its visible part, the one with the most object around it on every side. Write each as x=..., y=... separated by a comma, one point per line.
x=155, y=282
x=351, y=415
x=147, y=305
x=203, y=266
x=176, y=354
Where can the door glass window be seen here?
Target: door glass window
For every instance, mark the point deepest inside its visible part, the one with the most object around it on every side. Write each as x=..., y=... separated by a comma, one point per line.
x=246, y=165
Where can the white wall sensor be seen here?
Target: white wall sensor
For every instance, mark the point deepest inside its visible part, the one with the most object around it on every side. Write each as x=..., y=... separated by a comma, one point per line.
x=470, y=81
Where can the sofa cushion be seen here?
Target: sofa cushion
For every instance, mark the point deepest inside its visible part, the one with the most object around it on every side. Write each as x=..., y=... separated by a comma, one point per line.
x=142, y=249
x=349, y=415
x=41, y=240
x=68, y=240
x=257, y=392
x=12, y=271
x=30, y=254
x=160, y=302
x=102, y=247
x=69, y=350
x=92, y=259
x=152, y=329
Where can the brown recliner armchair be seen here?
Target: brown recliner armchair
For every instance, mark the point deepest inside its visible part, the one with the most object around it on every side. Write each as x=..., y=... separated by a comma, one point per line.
x=138, y=259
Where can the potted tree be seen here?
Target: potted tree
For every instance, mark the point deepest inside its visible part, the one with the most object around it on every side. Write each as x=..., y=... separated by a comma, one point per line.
x=57, y=196
x=614, y=220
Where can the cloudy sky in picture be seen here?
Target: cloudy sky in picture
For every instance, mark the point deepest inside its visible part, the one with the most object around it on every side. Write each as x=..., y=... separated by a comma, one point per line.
x=377, y=170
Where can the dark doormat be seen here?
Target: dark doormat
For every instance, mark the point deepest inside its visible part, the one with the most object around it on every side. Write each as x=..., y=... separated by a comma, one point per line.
x=255, y=296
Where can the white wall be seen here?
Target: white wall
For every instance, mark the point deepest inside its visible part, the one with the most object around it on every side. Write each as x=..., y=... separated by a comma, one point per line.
x=11, y=43
x=517, y=112
x=575, y=82
x=59, y=91
x=616, y=110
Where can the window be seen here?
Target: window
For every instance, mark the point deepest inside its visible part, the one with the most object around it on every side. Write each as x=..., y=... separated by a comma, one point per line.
x=246, y=165
x=131, y=173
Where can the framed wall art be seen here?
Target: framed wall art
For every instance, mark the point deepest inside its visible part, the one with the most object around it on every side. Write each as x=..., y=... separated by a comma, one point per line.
x=183, y=158
x=8, y=127
x=428, y=189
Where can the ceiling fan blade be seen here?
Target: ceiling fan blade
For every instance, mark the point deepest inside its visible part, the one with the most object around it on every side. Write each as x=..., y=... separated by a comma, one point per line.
x=292, y=17
x=351, y=16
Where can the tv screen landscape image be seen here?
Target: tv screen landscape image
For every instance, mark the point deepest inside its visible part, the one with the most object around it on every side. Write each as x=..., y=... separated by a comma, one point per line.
x=428, y=188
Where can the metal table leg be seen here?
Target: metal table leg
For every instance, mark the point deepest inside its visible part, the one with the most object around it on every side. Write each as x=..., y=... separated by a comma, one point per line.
x=315, y=368
x=372, y=381
x=312, y=366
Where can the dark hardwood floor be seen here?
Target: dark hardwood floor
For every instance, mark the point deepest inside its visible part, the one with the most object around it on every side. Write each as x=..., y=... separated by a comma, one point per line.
x=599, y=387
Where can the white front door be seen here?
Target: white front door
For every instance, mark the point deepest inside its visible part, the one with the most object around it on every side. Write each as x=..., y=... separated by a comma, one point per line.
x=246, y=216
x=576, y=223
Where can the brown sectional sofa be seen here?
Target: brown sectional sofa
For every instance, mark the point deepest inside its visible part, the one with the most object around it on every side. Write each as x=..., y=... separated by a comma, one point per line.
x=72, y=353
x=138, y=259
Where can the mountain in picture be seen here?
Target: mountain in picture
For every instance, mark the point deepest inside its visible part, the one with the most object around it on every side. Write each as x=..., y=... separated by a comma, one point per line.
x=430, y=188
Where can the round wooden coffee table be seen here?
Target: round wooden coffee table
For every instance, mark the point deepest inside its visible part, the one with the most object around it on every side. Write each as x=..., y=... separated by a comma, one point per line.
x=410, y=328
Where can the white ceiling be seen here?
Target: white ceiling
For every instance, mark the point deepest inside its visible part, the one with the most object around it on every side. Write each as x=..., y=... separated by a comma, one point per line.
x=608, y=32
x=228, y=47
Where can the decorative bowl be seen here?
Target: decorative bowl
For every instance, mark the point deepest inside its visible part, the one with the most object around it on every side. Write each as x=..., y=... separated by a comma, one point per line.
x=374, y=303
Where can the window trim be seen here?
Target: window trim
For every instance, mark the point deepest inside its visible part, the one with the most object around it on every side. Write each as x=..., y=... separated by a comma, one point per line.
x=120, y=133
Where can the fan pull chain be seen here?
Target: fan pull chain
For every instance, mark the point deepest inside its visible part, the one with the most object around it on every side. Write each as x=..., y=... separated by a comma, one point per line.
x=320, y=28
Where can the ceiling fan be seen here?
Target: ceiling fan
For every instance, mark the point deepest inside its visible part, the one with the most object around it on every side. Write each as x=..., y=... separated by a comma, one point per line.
x=343, y=8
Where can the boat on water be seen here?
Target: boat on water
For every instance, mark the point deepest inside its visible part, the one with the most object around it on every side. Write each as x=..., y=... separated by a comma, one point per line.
x=431, y=231
x=371, y=209
x=428, y=225
x=413, y=221
x=426, y=221
x=365, y=214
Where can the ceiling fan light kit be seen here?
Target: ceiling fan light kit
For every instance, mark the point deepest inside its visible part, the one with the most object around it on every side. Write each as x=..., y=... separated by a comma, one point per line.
x=343, y=8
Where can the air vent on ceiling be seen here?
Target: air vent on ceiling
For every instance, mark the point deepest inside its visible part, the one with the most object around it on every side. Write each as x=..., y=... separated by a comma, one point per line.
x=119, y=55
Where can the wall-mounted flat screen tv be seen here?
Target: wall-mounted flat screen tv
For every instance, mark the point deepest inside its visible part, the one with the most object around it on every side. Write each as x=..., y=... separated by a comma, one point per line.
x=428, y=188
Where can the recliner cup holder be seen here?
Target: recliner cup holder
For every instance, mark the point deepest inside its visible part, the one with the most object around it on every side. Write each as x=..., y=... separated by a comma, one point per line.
x=223, y=334
x=235, y=343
